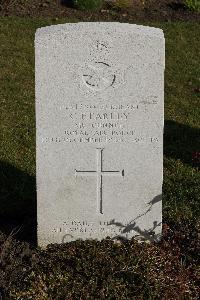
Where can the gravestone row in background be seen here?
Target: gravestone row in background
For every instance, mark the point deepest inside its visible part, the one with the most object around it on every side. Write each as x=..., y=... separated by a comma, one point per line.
x=99, y=115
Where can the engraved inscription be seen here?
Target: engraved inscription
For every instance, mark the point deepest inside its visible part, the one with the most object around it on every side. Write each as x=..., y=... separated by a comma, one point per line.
x=70, y=228
x=101, y=123
x=100, y=49
x=99, y=173
x=99, y=76
x=98, y=73
x=101, y=46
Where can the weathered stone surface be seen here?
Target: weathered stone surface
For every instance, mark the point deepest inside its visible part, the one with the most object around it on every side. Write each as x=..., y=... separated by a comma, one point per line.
x=99, y=114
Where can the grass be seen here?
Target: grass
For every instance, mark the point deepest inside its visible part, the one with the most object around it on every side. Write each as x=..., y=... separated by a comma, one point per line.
x=77, y=264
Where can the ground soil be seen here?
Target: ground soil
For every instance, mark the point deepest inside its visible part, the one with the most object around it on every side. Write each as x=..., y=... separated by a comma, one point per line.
x=139, y=11
x=19, y=262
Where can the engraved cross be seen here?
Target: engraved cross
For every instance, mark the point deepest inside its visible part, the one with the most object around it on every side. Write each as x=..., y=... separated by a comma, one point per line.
x=99, y=173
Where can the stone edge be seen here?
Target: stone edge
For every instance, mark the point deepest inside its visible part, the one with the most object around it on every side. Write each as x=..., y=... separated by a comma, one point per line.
x=98, y=26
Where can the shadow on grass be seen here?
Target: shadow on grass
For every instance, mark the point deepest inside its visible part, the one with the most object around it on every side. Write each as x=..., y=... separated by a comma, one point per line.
x=176, y=6
x=18, y=203
x=181, y=142
x=67, y=3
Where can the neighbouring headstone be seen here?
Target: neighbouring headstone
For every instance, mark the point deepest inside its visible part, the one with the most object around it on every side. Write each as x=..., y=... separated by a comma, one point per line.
x=99, y=119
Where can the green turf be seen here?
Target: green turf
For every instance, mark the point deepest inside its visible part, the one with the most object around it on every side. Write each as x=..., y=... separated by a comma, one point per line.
x=182, y=109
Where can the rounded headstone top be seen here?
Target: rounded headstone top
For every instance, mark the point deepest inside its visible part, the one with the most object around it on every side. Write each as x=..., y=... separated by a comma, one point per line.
x=113, y=27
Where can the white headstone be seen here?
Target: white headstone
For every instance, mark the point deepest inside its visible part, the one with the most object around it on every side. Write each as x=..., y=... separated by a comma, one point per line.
x=99, y=115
